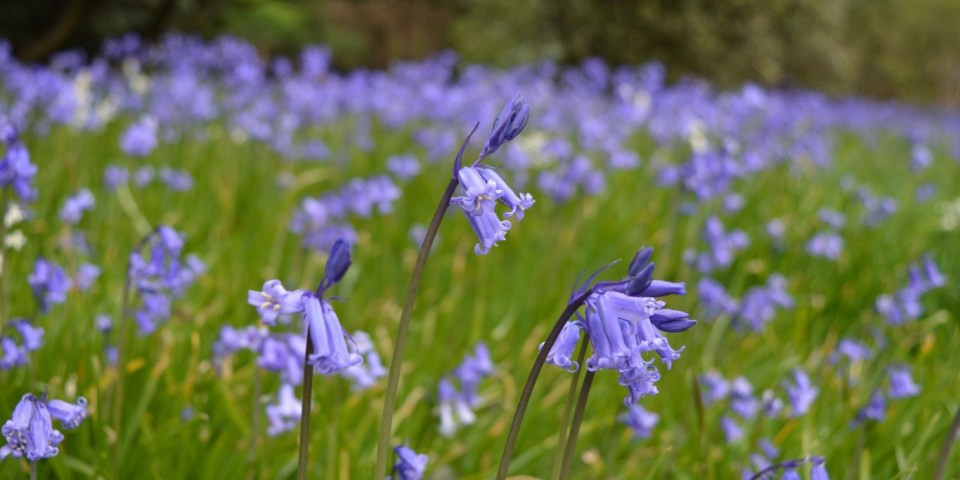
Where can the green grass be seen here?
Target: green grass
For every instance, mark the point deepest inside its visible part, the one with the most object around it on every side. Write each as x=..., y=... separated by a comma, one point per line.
x=236, y=220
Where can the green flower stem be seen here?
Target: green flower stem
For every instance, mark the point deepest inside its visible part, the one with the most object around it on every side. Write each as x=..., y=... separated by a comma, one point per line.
x=305, y=404
x=947, y=445
x=532, y=381
x=571, y=447
x=393, y=381
x=568, y=409
x=4, y=297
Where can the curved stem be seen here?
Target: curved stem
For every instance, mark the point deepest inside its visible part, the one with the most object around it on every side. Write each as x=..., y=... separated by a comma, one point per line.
x=33, y=470
x=305, y=405
x=571, y=447
x=393, y=381
x=532, y=381
x=947, y=445
x=568, y=409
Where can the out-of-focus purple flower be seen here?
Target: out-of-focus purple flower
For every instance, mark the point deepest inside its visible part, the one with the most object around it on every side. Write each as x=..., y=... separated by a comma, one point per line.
x=715, y=299
x=759, y=304
x=874, y=410
x=409, y=464
x=853, y=350
x=733, y=202
x=925, y=192
x=140, y=138
x=453, y=408
x=776, y=228
x=365, y=375
x=403, y=167
x=157, y=271
x=742, y=400
x=73, y=209
x=723, y=246
x=832, y=217
x=639, y=420
x=114, y=176
x=176, y=180
x=285, y=414
x=32, y=336
x=16, y=170
x=901, y=382
x=460, y=402
x=87, y=273
x=104, y=323
x=143, y=176
x=801, y=393
x=561, y=354
x=819, y=470
x=920, y=157
x=715, y=388
x=905, y=304
x=274, y=302
x=827, y=245
x=13, y=354
x=770, y=404
x=49, y=282
x=731, y=430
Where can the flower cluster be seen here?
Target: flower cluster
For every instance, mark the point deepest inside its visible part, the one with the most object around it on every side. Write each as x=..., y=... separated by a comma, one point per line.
x=14, y=355
x=50, y=283
x=623, y=321
x=905, y=305
x=73, y=208
x=160, y=276
x=457, y=404
x=757, y=308
x=30, y=433
x=16, y=170
x=723, y=246
x=322, y=220
x=483, y=187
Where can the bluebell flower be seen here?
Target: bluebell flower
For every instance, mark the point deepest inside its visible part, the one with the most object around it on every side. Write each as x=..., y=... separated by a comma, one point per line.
x=13, y=355
x=723, y=246
x=742, y=400
x=49, y=282
x=714, y=388
x=143, y=176
x=508, y=125
x=715, y=299
x=517, y=203
x=832, y=218
x=827, y=245
x=409, y=464
x=32, y=336
x=472, y=371
x=16, y=170
x=29, y=432
x=874, y=410
x=901, y=382
x=176, y=180
x=853, y=350
x=331, y=352
x=561, y=354
x=760, y=304
x=73, y=208
x=283, y=353
x=87, y=273
x=819, y=470
x=365, y=375
x=770, y=404
x=801, y=393
x=104, y=323
x=69, y=414
x=639, y=420
x=140, y=138
x=732, y=431
x=920, y=157
x=285, y=414
x=274, y=301
x=453, y=408
x=114, y=176
x=403, y=166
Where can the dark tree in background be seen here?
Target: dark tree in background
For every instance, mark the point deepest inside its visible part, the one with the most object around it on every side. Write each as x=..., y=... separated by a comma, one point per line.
x=908, y=49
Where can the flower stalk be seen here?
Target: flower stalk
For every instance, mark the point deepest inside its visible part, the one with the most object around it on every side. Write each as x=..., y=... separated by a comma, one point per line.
x=393, y=379
x=571, y=447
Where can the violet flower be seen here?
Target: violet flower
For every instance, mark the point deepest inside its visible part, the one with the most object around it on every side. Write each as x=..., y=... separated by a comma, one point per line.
x=409, y=464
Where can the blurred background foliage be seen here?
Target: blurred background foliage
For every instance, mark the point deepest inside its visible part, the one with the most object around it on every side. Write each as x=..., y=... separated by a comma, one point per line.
x=903, y=49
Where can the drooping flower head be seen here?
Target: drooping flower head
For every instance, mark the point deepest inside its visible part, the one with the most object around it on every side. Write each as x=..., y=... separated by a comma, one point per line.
x=639, y=420
x=30, y=433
